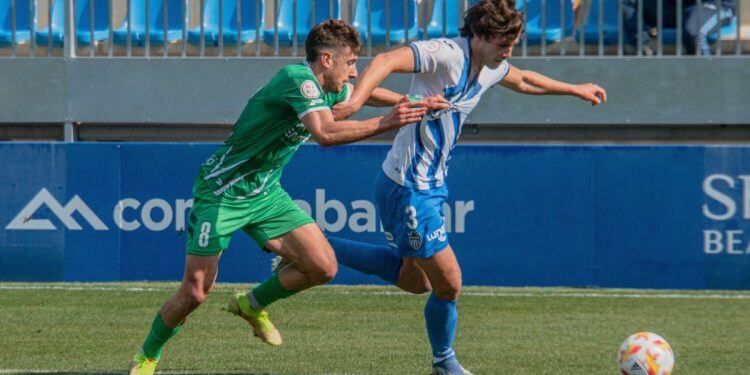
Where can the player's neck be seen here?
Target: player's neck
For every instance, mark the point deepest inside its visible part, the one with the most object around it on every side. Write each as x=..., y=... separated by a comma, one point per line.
x=475, y=61
x=476, y=66
x=317, y=72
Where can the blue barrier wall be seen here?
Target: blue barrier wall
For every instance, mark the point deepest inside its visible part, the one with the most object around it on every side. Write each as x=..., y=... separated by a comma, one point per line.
x=607, y=216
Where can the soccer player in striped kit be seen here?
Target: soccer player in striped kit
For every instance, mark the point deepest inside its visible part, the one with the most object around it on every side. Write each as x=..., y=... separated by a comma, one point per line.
x=411, y=188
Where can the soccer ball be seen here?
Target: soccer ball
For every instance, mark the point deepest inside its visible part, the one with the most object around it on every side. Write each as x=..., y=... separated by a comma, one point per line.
x=645, y=353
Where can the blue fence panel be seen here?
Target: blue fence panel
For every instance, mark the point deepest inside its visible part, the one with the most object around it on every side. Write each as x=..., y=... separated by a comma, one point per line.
x=606, y=216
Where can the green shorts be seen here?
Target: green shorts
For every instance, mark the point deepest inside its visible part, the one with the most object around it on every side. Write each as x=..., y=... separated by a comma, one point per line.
x=212, y=222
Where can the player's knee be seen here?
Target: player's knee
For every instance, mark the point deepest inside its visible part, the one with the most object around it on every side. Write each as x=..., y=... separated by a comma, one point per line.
x=195, y=298
x=449, y=292
x=323, y=274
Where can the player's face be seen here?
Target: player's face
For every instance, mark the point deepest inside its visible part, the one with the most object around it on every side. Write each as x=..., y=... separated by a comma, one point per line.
x=342, y=69
x=495, y=50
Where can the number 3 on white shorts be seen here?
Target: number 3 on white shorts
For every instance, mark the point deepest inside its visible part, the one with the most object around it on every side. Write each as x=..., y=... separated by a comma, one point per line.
x=205, y=231
x=412, y=213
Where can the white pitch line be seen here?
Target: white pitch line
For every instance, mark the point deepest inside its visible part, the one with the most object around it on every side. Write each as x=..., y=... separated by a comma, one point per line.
x=576, y=295
x=546, y=294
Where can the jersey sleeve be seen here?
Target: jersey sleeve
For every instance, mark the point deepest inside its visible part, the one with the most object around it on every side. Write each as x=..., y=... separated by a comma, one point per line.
x=302, y=93
x=502, y=71
x=431, y=54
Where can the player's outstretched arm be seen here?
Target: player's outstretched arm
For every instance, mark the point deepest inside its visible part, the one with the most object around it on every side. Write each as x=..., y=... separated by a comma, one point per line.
x=329, y=132
x=382, y=97
x=400, y=60
x=533, y=83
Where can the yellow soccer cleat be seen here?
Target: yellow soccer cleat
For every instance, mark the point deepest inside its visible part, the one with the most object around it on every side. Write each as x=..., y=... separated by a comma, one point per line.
x=262, y=327
x=141, y=365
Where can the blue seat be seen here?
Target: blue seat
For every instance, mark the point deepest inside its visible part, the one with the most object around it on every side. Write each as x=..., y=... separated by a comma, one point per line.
x=553, y=30
x=397, y=22
x=669, y=35
x=82, y=23
x=452, y=15
x=305, y=21
x=609, y=27
x=23, y=21
x=229, y=22
x=155, y=23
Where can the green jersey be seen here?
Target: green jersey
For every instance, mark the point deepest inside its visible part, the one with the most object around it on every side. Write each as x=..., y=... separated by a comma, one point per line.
x=265, y=136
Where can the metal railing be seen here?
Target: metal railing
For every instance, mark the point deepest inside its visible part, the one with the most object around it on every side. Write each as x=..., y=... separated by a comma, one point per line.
x=248, y=28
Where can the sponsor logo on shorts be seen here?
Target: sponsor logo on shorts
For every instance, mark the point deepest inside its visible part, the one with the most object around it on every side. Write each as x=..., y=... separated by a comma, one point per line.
x=389, y=238
x=438, y=234
x=309, y=89
x=415, y=240
x=315, y=102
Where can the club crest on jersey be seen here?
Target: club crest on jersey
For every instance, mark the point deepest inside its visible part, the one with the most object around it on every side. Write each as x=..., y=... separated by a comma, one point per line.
x=432, y=46
x=309, y=89
x=415, y=240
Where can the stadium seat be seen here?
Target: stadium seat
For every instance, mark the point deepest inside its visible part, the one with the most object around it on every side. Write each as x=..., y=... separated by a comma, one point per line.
x=155, y=23
x=23, y=21
x=609, y=24
x=305, y=21
x=229, y=22
x=378, y=17
x=553, y=29
x=82, y=23
x=452, y=14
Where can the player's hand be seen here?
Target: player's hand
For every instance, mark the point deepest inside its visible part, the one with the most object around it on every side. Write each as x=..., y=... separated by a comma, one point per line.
x=436, y=103
x=344, y=110
x=591, y=93
x=405, y=112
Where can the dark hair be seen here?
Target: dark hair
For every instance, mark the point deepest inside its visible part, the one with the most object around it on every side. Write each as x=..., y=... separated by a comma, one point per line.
x=331, y=34
x=493, y=18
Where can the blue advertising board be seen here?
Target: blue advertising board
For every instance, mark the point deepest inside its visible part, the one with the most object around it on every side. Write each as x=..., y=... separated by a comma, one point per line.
x=518, y=215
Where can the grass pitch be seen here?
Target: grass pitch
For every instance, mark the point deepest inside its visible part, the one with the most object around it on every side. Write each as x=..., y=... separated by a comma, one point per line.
x=96, y=328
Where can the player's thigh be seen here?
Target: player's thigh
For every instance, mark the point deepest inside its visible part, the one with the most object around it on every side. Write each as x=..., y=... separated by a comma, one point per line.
x=211, y=225
x=308, y=248
x=444, y=273
x=412, y=277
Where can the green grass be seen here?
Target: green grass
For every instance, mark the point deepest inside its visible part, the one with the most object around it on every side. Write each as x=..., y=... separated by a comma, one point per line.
x=96, y=328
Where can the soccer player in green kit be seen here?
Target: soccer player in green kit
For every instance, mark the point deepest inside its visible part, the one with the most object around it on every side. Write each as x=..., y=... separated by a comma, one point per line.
x=238, y=186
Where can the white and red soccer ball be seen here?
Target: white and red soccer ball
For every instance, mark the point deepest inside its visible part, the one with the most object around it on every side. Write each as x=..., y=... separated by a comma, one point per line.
x=645, y=353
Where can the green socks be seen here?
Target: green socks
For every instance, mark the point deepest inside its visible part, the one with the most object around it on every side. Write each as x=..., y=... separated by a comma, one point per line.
x=269, y=292
x=158, y=337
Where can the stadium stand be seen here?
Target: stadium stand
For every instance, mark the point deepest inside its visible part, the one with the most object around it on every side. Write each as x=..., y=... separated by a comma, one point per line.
x=550, y=23
x=87, y=33
x=224, y=21
x=155, y=24
x=25, y=16
x=608, y=12
x=444, y=20
x=51, y=81
x=387, y=18
x=307, y=16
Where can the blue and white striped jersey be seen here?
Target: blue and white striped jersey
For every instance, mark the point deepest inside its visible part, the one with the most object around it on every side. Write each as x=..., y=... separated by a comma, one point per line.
x=420, y=153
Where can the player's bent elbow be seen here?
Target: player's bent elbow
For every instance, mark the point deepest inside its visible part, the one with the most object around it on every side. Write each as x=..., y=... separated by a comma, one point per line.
x=323, y=140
